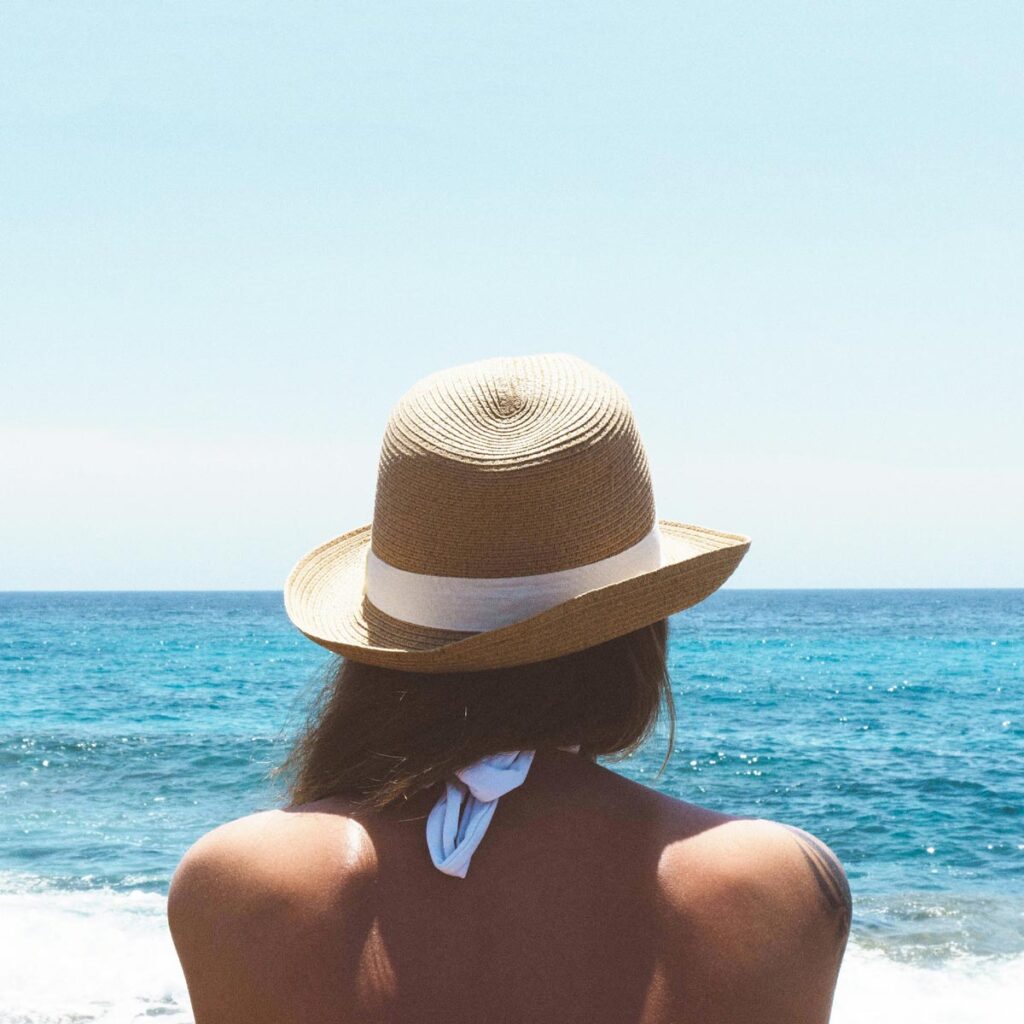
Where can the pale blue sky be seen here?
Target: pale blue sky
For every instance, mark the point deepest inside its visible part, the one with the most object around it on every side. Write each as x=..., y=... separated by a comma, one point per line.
x=231, y=235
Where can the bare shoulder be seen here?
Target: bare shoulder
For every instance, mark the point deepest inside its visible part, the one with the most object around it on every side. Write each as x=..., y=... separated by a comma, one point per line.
x=758, y=872
x=769, y=906
x=243, y=886
x=769, y=859
x=279, y=853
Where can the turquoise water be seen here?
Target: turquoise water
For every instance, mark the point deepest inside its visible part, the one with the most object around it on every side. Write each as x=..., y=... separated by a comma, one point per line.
x=889, y=723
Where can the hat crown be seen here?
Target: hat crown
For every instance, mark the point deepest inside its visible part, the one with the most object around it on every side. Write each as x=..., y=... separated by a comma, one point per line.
x=511, y=467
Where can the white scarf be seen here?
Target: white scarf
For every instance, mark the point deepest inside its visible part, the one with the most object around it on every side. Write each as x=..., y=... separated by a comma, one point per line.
x=458, y=821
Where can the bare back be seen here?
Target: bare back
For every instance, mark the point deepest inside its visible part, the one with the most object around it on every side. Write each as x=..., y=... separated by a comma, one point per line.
x=591, y=899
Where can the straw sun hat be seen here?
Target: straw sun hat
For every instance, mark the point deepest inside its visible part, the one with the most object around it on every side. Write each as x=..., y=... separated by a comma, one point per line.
x=514, y=522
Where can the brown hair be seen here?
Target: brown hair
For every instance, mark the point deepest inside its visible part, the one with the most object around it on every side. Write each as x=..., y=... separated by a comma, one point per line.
x=376, y=736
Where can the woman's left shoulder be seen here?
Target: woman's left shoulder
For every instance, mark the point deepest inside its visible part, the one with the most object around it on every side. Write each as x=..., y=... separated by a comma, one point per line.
x=276, y=855
x=245, y=890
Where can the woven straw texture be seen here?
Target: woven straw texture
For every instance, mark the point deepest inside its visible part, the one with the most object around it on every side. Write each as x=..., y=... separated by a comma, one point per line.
x=503, y=468
x=510, y=467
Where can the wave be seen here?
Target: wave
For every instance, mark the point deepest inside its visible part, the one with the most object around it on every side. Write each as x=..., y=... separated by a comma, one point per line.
x=105, y=956
x=86, y=956
x=962, y=990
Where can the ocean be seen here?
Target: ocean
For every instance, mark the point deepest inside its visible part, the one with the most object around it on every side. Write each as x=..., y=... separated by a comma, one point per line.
x=888, y=723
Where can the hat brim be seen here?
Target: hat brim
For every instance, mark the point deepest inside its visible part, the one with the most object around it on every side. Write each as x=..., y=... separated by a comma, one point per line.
x=324, y=599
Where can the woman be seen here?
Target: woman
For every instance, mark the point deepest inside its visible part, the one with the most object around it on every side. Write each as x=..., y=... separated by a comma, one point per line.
x=453, y=851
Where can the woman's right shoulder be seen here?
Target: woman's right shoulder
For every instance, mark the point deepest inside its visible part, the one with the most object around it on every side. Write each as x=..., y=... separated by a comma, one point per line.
x=740, y=857
x=767, y=904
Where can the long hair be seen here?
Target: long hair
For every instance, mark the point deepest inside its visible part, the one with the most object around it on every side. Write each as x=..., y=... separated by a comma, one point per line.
x=377, y=736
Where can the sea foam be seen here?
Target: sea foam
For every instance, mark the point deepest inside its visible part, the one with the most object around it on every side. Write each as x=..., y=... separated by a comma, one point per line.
x=87, y=955
x=962, y=990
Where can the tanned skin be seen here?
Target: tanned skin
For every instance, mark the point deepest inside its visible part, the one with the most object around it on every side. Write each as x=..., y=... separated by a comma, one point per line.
x=592, y=899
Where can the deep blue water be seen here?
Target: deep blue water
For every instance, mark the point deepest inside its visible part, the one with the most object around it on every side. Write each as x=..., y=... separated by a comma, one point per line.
x=889, y=723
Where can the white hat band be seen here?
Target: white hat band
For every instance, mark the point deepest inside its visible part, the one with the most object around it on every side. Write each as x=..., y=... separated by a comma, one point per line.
x=474, y=605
